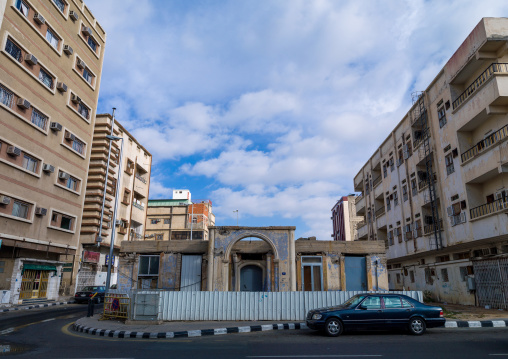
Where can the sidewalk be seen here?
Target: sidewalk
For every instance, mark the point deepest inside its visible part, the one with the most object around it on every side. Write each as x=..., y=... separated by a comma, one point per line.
x=35, y=306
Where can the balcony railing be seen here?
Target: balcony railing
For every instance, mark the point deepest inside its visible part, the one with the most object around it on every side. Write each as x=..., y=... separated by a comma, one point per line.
x=142, y=179
x=429, y=228
x=361, y=224
x=380, y=211
x=359, y=198
x=489, y=208
x=137, y=236
x=138, y=206
x=376, y=181
x=425, y=182
x=484, y=144
x=480, y=80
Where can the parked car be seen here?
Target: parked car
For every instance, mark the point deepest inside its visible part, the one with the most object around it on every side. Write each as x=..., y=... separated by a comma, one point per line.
x=84, y=294
x=376, y=311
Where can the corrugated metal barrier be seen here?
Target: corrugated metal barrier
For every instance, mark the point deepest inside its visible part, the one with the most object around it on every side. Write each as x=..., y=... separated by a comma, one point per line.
x=249, y=305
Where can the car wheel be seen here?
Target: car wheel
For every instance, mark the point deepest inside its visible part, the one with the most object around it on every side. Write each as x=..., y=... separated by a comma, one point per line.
x=333, y=327
x=417, y=326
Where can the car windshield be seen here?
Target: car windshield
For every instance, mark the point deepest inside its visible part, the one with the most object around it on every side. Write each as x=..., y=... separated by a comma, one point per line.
x=90, y=289
x=351, y=302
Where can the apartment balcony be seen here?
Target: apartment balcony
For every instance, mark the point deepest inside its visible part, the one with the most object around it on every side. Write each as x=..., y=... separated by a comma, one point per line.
x=485, y=145
x=360, y=205
x=377, y=181
x=362, y=230
x=488, y=209
x=381, y=218
x=488, y=93
x=428, y=229
x=141, y=178
x=486, y=162
x=424, y=183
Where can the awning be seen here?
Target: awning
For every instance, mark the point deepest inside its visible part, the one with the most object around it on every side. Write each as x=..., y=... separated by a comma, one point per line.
x=38, y=267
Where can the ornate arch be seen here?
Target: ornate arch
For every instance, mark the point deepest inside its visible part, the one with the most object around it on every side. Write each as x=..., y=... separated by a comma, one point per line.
x=251, y=234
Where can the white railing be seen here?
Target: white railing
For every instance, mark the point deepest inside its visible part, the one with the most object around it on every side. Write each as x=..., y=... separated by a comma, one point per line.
x=242, y=305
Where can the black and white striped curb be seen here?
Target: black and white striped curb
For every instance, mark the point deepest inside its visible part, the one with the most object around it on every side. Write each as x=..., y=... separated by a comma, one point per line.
x=477, y=323
x=34, y=306
x=187, y=333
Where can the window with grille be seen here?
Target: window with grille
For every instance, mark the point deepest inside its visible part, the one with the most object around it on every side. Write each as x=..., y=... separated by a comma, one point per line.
x=20, y=209
x=6, y=97
x=30, y=163
x=83, y=110
x=51, y=37
x=441, y=115
x=444, y=274
x=167, y=221
x=12, y=49
x=159, y=237
x=449, y=164
x=59, y=4
x=22, y=7
x=46, y=78
x=38, y=119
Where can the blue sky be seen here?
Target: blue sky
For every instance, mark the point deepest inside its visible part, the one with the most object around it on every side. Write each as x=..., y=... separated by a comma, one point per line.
x=271, y=107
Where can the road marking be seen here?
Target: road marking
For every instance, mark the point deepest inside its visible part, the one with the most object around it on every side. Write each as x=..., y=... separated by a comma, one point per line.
x=47, y=320
x=500, y=354
x=7, y=331
x=316, y=356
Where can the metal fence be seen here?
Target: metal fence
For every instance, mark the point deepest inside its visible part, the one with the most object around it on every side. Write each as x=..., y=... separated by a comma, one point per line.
x=169, y=305
x=491, y=277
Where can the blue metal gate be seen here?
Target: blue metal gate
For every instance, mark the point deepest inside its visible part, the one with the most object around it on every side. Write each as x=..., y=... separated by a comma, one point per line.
x=251, y=279
x=356, y=273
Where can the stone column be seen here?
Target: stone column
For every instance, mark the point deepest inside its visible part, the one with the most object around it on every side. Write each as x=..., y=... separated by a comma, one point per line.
x=235, y=279
x=209, y=274
x=268, y=279
x=292, y=259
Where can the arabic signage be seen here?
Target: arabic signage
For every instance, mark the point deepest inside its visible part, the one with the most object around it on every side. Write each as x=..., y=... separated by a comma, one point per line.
x=91, y=257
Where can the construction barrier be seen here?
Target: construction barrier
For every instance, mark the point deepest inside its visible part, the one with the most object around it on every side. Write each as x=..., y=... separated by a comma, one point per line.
x=116, y=306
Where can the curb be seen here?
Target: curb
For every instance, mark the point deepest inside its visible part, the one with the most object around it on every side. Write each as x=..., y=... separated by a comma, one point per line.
x=187, y=333
x=477, y=324
x=34, y=306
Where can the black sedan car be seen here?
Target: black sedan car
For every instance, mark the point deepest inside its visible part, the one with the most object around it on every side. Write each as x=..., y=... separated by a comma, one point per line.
x=84, y=294
x=376, y=311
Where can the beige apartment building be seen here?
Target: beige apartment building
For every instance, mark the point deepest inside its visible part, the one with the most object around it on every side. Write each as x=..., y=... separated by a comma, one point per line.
x=51, y=55
x=436, y=190
x=134, y=182
x=179, y=218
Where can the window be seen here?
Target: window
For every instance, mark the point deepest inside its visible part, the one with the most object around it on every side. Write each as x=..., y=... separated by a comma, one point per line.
x=444, y=274
x=441, y=114
x=83, y=110
x=312, y=274
x=148, y=265
x=449, y=164
x=392, y=302
x=78, y=146
x=66, y=223
x=395, y=198
x=92, y=43
x=392, y=165
x=385, y=172
x=38, y=119
x=406, y=304
x=30, y=163
x=72, y=183
x=88, y=76
x=404, y=193
x=46, y=78
x=12, y=49
x=373, y=302
x=388, y=204
x=412, y=276
x=390, y=238
x=59, y=4
x=167, y=221
x=126, y=196
x=159, y=237
x=130, y=167
x=51, y=37
x=465, y=271
x=154, y=221
x=20, y=209
x=430, y=273
x=414, y=189
x=6, y=97
x=22, y=7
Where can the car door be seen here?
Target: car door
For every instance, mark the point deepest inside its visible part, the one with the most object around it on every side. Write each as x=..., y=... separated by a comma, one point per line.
x=396, y=311
x=367, y=314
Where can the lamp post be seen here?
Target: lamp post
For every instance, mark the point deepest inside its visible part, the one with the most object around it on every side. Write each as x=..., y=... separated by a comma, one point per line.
x=113, y=231
x=236, y=216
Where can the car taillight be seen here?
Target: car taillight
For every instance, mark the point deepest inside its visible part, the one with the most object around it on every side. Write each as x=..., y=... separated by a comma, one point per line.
x=441, y=314
x=92, y=294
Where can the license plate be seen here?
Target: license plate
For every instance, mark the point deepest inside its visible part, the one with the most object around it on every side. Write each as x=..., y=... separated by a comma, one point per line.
x=83, y=295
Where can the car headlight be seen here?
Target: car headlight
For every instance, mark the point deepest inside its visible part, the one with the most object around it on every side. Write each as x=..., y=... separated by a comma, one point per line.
x=317, y=316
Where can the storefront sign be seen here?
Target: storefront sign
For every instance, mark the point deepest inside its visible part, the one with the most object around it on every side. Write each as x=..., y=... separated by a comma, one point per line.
x=107, y=260
x=91, y=257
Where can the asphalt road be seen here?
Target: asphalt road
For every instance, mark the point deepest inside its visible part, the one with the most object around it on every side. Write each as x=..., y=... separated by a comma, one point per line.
x=45, y=333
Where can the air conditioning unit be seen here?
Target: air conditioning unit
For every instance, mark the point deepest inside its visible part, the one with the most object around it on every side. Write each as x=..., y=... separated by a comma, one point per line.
x=61, y=87
x=73, y=15
x=23, y=103
x=55, y=126
x=31, y=59
x=67, y=49
x=87, y=31
x=63, y=176
x=69, y=136
x=13, y=151
x=38, y=18
x=5, y=200
x=81, y=64
x=118, y=222
x=75, y=98
x=39, y=211
x=48, y=168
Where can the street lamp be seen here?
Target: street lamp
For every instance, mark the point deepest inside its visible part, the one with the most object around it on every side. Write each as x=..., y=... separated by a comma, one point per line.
x=113, y=231
x=236, y=216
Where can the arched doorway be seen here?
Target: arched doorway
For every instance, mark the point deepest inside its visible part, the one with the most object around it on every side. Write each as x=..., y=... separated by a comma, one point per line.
x=251, y=279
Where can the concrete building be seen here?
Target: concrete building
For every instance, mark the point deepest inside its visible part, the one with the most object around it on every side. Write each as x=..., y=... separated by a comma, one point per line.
x=179, y=218
x=344, y=219
x=253, y=259
x=51, y=55
x=436, y=190
x=134, y=182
